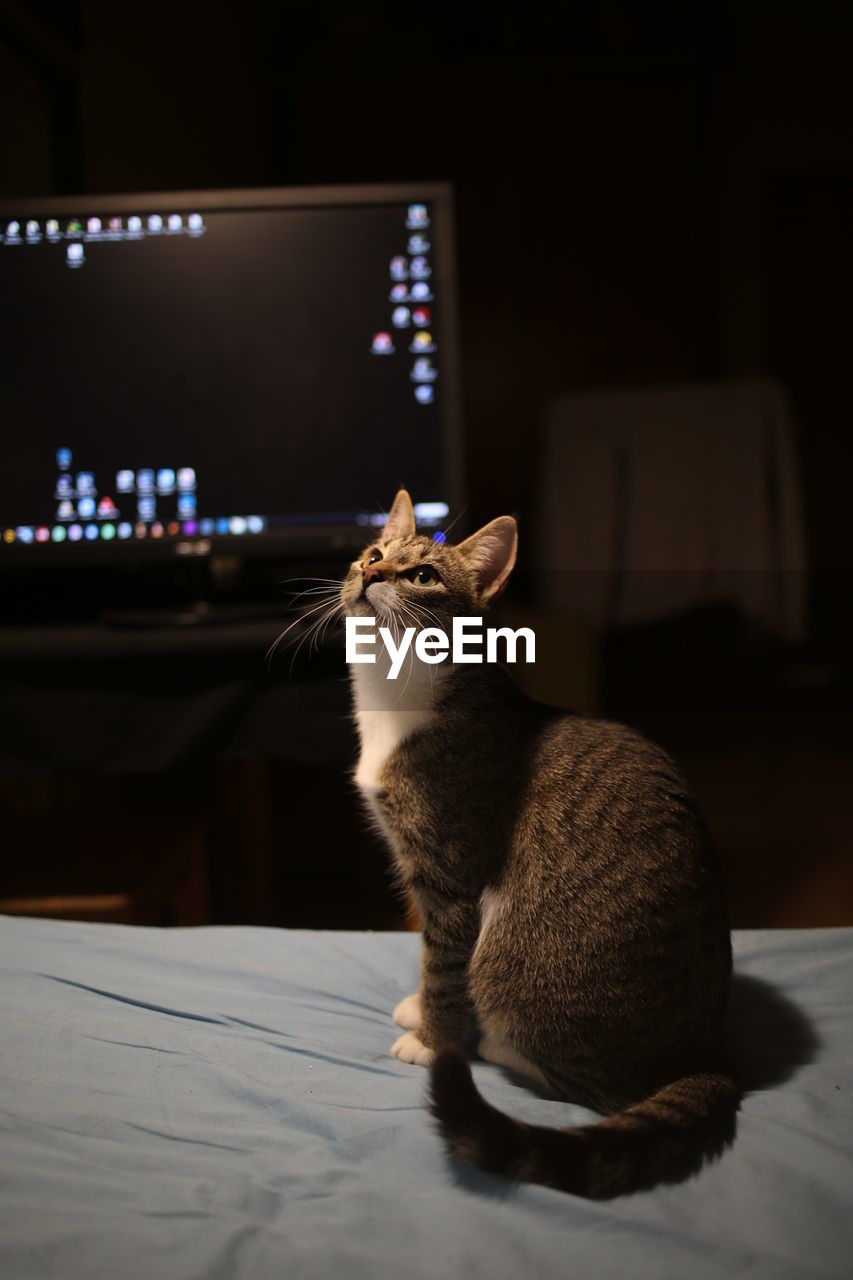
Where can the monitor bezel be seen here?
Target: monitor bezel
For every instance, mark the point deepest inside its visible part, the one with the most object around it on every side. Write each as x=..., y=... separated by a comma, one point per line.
x=297, y=541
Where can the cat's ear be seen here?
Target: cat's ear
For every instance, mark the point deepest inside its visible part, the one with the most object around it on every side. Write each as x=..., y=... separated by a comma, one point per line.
x=401, y=518
x=490, y=552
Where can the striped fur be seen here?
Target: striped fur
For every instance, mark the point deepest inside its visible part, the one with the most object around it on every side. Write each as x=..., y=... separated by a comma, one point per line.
x=665, y=1138
x=570, y=899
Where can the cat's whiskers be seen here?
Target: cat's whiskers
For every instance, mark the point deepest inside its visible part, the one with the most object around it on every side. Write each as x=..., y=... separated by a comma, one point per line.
x=336, y=582
x=325, y=626
x=407, y=608
x=327, y=607
x=402, y=692
x=415, y=606
x=331, y=611
x=458, y=516
x=428, y=613
x=296, y=621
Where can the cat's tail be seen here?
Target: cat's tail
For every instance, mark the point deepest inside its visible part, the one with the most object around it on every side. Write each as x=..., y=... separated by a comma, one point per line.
x=664, y=1138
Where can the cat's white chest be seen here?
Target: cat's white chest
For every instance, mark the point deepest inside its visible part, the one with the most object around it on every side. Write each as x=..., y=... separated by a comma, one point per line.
x=381, y=733
x=387, y=712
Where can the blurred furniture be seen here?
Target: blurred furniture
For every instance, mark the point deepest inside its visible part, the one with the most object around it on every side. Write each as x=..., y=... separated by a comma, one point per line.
x=96, y=861
x=670, y=535
x=210, y=781
x=656, y=501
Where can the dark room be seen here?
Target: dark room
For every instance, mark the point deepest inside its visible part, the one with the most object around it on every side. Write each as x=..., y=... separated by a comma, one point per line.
x=426, y=639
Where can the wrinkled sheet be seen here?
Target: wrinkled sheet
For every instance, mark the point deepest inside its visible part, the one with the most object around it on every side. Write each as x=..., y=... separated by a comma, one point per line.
x=221, y=1102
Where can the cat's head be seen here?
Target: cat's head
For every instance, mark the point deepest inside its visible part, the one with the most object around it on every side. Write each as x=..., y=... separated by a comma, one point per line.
x=408, y=578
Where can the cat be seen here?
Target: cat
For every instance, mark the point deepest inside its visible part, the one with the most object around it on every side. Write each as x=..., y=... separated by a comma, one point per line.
x=570, y=900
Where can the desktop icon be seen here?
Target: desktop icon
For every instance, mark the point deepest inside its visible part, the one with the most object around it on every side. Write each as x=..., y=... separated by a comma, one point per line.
x=175, y=222
x=420, y=292
x=85, y=482
x=86, y=508
x=33, y=229
x=256, y=524
x=421, y=316
x=156, y=529
x=144, y=480
x=238, y=525
x=125, y=481
x=93, y=226
x=418, y=244
x=114, y=225
x=382, y=344
x=51, y=227
x=64, y=487
x=75, y=533
x=74, y=255
x=399, y=268
x=417, y=216
x=400, y=317
x=422, y=371
x=125, y=529
x=65, y=510
x=139, y=530
x=134, y=224
x=146, y=507
x=155, y=222
x=186, y=504
x=186, y=478
x=91, y=533
x=25, y=533
x=422, y=342
x=74, y=227
x=9, y=535
x=222, y=524
x=399, y=293
x=190, y=528
x=194, y=222
x=13, y=230
x=165, y=480
x=106, y=507
x=207, y=527
x=420, y=269
x=63, y=458
x=424, y=393
x=173, y=528
x=58, y=533
x=108, y=531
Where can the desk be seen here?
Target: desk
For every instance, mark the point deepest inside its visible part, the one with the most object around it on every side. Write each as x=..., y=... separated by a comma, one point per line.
x=193, y=725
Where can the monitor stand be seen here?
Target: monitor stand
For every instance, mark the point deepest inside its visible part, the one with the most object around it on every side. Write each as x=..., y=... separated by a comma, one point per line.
x=191, y=605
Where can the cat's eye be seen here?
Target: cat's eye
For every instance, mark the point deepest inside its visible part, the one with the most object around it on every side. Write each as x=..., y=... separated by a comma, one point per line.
x=374, y=555
x=425, y=575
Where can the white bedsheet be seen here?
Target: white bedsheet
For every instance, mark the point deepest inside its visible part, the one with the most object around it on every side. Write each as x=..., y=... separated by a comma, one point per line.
x=222, y=1103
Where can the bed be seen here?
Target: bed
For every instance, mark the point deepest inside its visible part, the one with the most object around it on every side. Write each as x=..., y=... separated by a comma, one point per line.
x=221, y=1102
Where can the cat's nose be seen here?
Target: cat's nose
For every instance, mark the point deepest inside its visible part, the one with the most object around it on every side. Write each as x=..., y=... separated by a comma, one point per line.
x=372, y=573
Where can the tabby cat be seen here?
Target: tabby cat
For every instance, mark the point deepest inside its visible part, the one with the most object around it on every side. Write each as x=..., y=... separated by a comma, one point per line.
x=571, y=904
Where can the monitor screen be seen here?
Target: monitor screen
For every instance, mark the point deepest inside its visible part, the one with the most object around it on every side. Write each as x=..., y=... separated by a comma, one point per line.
x=240, y=366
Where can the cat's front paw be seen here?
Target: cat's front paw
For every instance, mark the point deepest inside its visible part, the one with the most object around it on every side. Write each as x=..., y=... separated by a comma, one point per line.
x=408, y=1013
x=410, y=1049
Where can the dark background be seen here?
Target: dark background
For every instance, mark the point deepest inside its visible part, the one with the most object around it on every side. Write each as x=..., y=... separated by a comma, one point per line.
x=646, y=194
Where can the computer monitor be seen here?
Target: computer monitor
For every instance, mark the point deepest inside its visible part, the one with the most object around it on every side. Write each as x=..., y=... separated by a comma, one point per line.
x=252, y=372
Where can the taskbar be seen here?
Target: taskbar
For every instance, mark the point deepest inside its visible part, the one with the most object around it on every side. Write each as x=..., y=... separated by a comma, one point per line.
x=427, y=515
